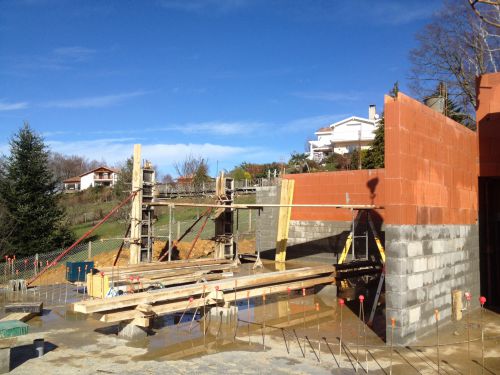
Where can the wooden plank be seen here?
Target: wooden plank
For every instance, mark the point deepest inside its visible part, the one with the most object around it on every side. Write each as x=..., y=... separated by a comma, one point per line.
x=22, y=316
x=187, y=291
x=228, y=297
x=34, y=307
x=136, y=211
x=164, y=265
x=264, y=205
x=286, y=197
x=157, y=275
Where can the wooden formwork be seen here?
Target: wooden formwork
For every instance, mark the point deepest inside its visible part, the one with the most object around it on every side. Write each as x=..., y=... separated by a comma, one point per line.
x=180, y=298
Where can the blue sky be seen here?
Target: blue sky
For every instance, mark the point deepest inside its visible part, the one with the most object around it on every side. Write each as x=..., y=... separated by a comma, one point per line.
x=229, y=80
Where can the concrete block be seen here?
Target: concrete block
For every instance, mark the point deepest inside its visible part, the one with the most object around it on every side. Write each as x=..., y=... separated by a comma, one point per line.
x=415, y=281
x=396, y=283
x=419, y=264
x=415, y=249
x=414, y=315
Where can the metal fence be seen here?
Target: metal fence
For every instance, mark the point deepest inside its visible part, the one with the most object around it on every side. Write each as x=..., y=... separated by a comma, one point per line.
x=27, y=267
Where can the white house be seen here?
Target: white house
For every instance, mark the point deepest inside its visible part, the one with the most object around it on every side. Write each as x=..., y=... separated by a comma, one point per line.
x=344, y=136
x=101, y=176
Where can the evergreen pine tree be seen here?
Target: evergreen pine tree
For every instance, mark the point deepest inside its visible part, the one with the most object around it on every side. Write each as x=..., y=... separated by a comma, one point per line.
x=375, y=157
x=28, y=194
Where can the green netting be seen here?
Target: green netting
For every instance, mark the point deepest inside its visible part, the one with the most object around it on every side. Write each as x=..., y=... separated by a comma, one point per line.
x=12, y=328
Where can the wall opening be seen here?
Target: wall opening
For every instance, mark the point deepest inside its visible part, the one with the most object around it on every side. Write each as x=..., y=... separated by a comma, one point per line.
x=489, y=239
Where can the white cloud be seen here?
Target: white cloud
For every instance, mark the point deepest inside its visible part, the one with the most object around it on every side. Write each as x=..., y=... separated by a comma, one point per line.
x=115, y=150
x=330, y=96
x=5, y=106
x=218, y=128
x=75, y=53
x=93, y=101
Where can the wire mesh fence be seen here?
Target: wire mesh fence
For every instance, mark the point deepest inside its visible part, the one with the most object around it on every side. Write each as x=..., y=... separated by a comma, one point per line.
x=28, y=267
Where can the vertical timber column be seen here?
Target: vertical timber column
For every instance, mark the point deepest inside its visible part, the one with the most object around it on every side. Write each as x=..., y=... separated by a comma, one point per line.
x=136, y=214
x=286, y=198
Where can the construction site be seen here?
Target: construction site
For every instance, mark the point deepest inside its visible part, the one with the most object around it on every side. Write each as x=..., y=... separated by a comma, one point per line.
x=389, y=271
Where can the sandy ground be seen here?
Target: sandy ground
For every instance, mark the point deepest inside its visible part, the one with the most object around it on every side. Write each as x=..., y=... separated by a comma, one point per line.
x=77, y=344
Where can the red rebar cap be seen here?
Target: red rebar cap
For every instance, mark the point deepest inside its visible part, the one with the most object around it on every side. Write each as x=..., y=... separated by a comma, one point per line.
x=361, y=298
x=131, y=278
x=303, y=291
x=191, y=299
x=467, y=296
x=216, y=287
x=341, y=301
x=482, y=300
x=102, y=274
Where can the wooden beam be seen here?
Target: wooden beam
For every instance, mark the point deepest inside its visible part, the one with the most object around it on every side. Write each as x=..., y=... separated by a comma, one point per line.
x=264, y=205
x=286, y=198
x=164, y=295
x=230, y=296
x=22, y=316
x=136, y=212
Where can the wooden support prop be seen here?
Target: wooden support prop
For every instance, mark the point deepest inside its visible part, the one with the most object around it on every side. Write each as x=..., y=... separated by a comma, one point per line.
x=164, y=295
x=264, y=205
x=285, y=212
x=136, y=211
x=228, y=297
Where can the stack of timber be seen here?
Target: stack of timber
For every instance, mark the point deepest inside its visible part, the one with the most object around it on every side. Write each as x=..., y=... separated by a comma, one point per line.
x=180, y=298
x=167, y=274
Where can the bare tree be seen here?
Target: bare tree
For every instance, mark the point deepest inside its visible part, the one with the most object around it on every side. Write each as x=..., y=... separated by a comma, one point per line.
x=487, y=10
x=194, y=169
x=455, y=48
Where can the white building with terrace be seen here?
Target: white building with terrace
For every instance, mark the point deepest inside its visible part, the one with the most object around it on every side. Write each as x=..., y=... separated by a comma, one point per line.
x=344, y=136
x=101, y=176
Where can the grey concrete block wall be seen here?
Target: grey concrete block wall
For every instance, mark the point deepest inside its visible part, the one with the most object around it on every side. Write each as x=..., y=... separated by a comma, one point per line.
x=308, y=240
x=424, y=264
x=267, y=221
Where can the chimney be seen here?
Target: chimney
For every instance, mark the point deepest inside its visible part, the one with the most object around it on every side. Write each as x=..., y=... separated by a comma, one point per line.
x=372, y=112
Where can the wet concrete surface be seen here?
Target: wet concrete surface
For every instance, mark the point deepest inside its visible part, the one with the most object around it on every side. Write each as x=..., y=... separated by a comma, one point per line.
x=286, y=335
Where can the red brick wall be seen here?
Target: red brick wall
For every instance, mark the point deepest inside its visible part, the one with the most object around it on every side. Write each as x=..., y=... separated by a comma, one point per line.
x=331, y=188
x=431, y=166
x=488, y=124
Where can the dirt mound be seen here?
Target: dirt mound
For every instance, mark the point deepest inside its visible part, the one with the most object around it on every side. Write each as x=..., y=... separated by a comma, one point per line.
x=202, y=248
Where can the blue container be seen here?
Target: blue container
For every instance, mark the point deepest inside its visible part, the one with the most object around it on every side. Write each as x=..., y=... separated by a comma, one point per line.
x=72, y=273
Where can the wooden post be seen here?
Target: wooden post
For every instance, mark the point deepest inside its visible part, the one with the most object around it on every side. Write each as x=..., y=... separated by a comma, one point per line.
x=178, y=231
x=136, y=214
x=249, y=220
x=89, y=255
x=286, y=198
